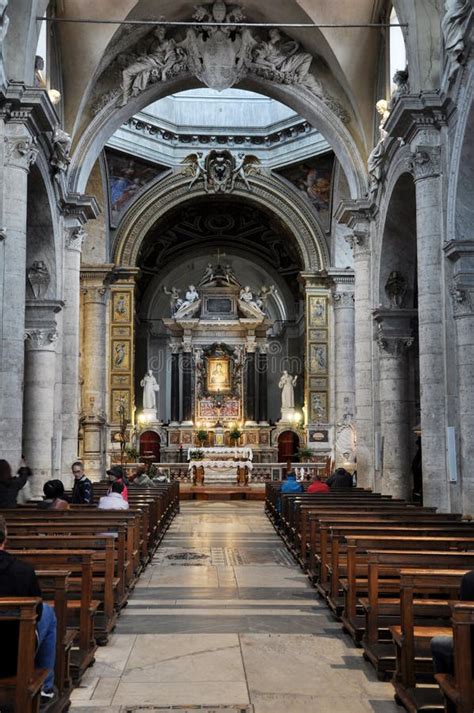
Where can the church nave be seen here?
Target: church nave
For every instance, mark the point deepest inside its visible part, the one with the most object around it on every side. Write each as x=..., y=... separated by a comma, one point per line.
x=224, y=619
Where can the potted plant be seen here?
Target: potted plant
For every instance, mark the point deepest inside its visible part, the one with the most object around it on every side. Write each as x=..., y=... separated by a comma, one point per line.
x=305, y=454
x=201, y=436
x=234, y=434
x=196, y=454
x=132, y=453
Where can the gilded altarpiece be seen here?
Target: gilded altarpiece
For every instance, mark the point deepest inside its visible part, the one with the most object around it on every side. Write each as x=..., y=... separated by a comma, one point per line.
x=121, y=350
x=317, y=355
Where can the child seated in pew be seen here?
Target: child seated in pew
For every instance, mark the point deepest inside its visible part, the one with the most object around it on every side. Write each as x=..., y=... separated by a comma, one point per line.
x=54, y=498
x=114, y=499
x=116, y=475
x=442, y=649
x=18, y=579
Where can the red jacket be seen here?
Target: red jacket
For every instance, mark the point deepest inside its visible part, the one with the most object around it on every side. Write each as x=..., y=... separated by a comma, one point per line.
x=318, y=487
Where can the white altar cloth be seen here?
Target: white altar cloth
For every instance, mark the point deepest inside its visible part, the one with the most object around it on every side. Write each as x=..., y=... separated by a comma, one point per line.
x=221, y=471
x=235, y=452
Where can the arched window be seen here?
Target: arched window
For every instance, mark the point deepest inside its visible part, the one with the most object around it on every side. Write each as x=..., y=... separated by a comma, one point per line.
x=41, y=60
x=397, y=56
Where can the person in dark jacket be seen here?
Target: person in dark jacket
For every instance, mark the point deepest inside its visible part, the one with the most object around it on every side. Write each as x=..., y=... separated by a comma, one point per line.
x=18, y=579
x=340, y=479
x=10, y=486
x=82, y=489
x=442, y=649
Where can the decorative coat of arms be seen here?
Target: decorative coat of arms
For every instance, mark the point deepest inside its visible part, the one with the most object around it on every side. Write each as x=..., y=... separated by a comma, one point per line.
x=220, y=56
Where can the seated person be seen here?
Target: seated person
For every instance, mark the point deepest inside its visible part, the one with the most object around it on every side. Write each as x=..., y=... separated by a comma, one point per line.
x=10, y=486
x=54, y=498
x=442, y=649
x=317, y=486
x=116, y=475
x=291, y=485
x=340, y=479
x=114, y=499
x=18, y=579
x=141, y=477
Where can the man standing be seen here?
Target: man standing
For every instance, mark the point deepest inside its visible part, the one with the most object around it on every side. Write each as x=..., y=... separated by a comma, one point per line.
x=82, y=489
x=18, y=579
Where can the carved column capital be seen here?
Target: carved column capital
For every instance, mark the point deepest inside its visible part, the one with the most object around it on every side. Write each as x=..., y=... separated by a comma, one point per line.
x=95, y=293
x=40, y=338
x=393, y=346
x=462, y=300
x=20, y=148
x=359, y=241
x=425, y=162
x=74, y=238
x=343, y=299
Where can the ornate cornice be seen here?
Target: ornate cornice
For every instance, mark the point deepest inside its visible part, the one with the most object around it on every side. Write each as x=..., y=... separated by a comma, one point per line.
x=343, y=299
x=395, y=330
x=95, y=282
x=413, y=113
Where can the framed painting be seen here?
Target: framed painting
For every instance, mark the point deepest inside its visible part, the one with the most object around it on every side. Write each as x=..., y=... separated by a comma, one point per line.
x=318, y=406
x=318, y=358
x=218, y=375
x=120, y=355
x=121, y=306
x=318, y=314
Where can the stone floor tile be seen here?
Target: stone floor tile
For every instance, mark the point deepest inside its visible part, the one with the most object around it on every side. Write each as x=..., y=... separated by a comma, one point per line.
x=182, y=693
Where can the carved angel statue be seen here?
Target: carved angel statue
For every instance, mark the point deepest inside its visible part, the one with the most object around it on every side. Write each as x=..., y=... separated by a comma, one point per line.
x=282, y=59
x=401, y=81
x=150, y=389
x=453, y=26
x=164, y=55
x=197, y=163
x=246, y=295
x=208, y=275
x=230, y=275
x=192, y=295
x=175, y=301
x=263, y=295
x=217, y=12
x=377, y=157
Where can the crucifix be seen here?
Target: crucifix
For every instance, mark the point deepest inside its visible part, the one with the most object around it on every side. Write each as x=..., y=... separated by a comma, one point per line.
x=219, y=255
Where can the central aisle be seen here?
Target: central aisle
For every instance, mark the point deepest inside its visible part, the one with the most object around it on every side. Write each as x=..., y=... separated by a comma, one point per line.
x=224, y=619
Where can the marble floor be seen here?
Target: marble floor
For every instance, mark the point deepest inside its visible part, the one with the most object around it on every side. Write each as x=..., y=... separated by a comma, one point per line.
x=223, y=620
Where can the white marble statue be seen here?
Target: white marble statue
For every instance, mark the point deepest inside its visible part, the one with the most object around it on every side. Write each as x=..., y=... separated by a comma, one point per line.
x=377, y=157
x=175, y=300
x=150, y=389
x=287, y=385
x=192, y=295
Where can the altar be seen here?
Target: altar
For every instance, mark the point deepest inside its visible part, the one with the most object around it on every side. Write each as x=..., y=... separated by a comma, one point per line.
x=221, y=465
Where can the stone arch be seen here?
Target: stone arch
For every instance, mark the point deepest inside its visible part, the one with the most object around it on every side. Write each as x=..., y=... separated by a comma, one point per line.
x=313, y=109
x=398, y=183
x=267, y=192
x=460, y=213
x=43, y=229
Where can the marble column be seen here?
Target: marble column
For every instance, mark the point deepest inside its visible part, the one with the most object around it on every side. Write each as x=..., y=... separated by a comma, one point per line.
x=360, y=243
x=263, y=385
x=461, y=252
x=425, y=165
x=250, y=411
x=344, y=377
x=175, y=396
x=18, y=151
x=40, y=376
x=74, y=238
x=187, y=367
x=394, y=339
x=95, y=291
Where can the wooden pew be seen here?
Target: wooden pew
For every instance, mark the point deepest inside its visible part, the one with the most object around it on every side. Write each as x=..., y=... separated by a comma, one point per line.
x=424, y=613
x=81, y=612
x=54, y=588
x=24, y=689
x=384, y=568
x=103, y=571
x=460, y=688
